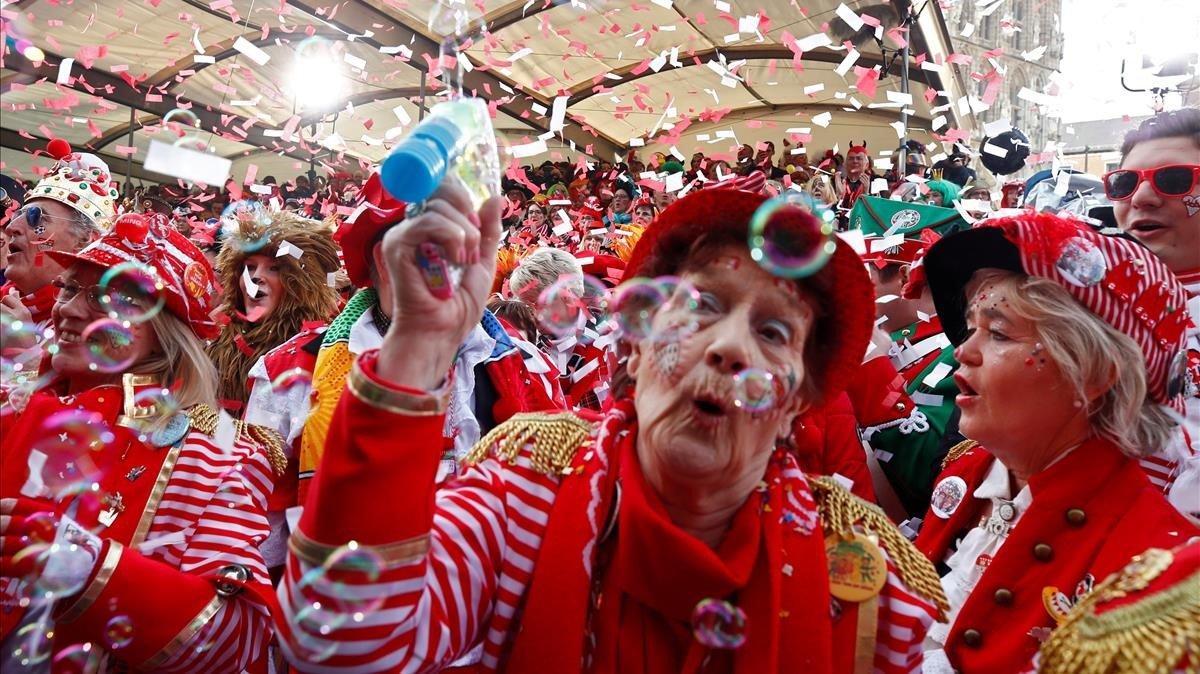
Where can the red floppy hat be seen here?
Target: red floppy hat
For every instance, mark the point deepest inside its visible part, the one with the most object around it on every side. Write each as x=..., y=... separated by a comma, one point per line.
x=842, y=286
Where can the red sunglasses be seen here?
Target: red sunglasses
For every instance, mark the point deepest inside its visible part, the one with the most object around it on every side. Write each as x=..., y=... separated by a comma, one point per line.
x=1174, y=180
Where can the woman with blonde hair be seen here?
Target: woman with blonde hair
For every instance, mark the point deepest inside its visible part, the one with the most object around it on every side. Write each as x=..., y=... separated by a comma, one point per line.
x=120, y=481
x=1070, y=369
x=822, y=188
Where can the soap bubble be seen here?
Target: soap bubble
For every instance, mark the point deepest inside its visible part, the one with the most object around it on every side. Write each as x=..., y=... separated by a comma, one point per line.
x=634, y=305
x=62, y=453
x=118, y=633
x=560, y=310
x=82, y=658
x=180, y=120
x=754, y=390
x=33, y=644
x=788, y=243
x=131, y=291
x=339, y=584
x=250, y=212
x=109, y=343
x=719, y=624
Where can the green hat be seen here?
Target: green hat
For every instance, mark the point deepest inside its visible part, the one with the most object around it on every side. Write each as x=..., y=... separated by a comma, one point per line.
x=877, y=217
x=672, y=167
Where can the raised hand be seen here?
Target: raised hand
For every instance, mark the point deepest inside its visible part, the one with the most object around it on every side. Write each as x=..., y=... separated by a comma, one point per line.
x=427, y=326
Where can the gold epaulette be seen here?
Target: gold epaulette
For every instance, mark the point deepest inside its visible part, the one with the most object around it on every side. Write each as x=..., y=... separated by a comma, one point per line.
x=957, y=451
x=555, y=438
x=1158, y=632
x=844, y=513
x=204, y=419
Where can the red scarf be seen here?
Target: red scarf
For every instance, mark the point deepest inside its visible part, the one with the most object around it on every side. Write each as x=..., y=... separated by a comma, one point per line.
x=651, y=575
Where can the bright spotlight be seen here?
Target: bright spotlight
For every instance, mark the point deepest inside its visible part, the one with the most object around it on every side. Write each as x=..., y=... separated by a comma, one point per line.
x=316, y=79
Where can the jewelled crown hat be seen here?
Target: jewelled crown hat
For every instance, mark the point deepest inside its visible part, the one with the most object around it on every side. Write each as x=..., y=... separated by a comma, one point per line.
x=1122, y=283
x=79, y=180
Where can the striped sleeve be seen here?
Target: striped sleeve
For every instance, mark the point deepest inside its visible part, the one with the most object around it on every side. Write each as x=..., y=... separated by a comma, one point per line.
x=423, y=613
x=904, y=618
x=224, y=492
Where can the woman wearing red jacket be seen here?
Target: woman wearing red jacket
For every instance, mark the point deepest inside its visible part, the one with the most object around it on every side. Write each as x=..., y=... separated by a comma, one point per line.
x=678, y=535
x=130, y=510
x=1069, y=344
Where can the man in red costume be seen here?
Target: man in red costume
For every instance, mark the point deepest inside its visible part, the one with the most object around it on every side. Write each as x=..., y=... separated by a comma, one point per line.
x=858, y=177
x=1156, y=199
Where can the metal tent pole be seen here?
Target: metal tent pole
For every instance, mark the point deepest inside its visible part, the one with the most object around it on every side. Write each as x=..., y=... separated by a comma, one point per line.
x=129, y=157
x=904, y=90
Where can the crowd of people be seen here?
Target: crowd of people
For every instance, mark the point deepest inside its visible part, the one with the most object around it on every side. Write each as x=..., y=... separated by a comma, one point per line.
x=632, y=417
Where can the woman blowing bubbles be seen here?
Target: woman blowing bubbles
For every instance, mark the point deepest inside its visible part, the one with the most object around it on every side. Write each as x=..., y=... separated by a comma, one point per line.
x=678, y=535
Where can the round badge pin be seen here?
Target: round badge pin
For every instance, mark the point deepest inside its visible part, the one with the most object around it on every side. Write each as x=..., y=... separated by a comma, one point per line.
x=1081, y=263
x=947, y=495
x=1007, y=511
x=857, y=569
x=176, y=427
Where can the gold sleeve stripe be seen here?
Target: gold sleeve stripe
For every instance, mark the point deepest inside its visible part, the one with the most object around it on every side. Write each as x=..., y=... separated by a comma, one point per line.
x=108, y=565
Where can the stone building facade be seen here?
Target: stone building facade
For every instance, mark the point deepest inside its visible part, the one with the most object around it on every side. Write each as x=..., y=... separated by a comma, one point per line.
x=1038, y=22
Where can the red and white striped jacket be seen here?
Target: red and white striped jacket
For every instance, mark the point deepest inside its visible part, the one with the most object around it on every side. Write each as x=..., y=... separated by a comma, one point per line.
x=1176, y=467
x=194, y=512
x=454, y=567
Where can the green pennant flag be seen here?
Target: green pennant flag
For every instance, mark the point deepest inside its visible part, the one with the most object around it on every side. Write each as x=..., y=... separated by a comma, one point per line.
x=883, y=217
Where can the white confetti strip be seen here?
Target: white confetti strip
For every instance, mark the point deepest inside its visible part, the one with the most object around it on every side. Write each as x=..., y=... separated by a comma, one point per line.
x=251, y=51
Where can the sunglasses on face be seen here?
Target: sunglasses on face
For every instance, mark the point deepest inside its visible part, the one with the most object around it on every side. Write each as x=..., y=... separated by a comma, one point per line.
x=1175, y=180
x=35, y=218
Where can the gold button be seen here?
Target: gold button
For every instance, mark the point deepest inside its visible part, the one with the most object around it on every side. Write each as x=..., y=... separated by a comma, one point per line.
x=899, y=406
x=1003, y=596
x=1076, y=517
x=1043, y=552
x=972, y=638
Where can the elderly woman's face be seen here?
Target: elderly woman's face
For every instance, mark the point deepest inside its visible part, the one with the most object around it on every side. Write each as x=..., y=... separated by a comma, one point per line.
x=685, y=370
x=1013, y=393
x=109, y=348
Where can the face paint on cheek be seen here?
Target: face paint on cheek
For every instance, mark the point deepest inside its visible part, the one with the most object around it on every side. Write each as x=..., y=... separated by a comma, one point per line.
x=1037, y=356
x=665, y=349
x=1192, y=204
x=793, y=382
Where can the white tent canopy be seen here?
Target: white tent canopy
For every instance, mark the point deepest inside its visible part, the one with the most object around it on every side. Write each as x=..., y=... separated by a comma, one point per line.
x=680, y=76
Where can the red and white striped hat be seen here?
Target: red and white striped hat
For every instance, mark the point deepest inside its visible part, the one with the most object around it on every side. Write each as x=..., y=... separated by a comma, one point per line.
x=182, y=274
x=754, y=182
x=1119, y=281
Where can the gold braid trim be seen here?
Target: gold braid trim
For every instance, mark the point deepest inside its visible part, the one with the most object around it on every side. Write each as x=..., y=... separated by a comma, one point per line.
x=555, y=438
x=957, y=451
x=1154, y=634
x=841, y=512
x=205, y=418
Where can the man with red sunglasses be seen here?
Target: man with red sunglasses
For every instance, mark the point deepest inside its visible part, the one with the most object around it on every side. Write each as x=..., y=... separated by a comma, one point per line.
x=1156, y=190
x=1156, y=197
